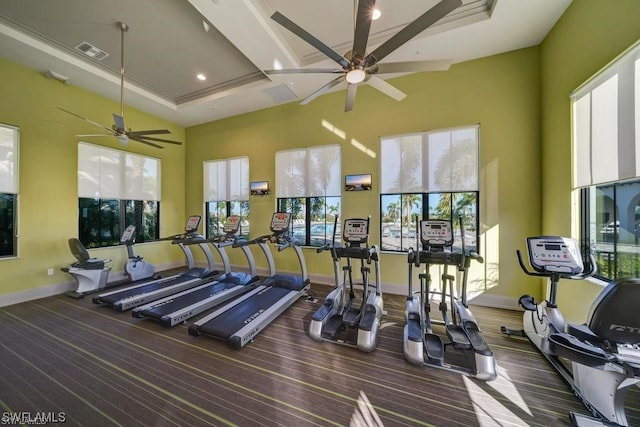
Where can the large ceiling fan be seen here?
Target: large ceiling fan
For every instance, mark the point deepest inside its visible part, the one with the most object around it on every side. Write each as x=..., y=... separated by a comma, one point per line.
x=118, y=129
x=356, y=66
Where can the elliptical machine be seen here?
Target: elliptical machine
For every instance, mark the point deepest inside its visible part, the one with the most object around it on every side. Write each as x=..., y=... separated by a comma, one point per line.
x=422, y=346
x=136, y=268
x=341, y=314
x=604, y=352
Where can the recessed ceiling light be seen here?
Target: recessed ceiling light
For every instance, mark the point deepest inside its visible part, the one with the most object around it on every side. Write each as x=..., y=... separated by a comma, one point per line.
x=376, y=14
x=201, y=77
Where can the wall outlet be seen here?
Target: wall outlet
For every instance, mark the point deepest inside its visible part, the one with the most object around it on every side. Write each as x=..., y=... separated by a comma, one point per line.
x=50, y=272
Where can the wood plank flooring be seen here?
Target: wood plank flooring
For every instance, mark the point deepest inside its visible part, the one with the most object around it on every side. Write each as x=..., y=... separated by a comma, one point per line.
x=98, y=367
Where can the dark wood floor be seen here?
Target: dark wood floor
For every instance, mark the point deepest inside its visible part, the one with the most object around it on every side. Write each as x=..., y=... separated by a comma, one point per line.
x=98, y=367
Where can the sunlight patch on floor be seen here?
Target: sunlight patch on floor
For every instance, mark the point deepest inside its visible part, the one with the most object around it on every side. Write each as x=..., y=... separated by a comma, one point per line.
x=365, y=414
x=490, y=411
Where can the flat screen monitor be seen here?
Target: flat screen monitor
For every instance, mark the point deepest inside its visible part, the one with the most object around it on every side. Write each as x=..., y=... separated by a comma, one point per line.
x=361, y=182
x=259, y=188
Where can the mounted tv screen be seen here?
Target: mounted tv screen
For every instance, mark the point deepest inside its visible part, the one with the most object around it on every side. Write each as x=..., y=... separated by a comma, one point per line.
x=360, y=182
x=259, y=188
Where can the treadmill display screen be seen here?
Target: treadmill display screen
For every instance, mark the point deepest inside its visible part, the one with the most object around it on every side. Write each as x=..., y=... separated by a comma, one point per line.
x=192, y=223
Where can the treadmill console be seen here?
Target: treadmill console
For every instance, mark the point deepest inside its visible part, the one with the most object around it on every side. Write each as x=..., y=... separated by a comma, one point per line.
x=232, y=225
x=436, y=232
x=553, y=254
x=280, y=222
x=355, y=230
x=192, y=224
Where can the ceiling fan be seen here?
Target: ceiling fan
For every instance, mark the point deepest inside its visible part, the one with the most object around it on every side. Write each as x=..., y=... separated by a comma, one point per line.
x=356, y=67
x=118, y=129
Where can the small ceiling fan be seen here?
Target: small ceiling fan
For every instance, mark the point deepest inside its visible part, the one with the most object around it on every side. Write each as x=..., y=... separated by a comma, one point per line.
x=356, y=67
x=118, y=129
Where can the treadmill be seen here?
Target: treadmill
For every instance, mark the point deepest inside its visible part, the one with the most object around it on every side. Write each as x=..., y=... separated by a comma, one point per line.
x=133, y=296
x=176, y=309
x=239, y=321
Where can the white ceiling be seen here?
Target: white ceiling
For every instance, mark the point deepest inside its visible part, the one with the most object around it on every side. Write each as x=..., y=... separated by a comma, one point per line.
x=167, y=45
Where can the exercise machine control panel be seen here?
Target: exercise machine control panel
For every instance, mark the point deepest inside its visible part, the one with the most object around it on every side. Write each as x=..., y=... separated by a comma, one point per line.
x=436, y=232
x=280, y=222
x=355, y=230
x=231, y=225
x=129, y=235
x=554, y=254
x=192, y=224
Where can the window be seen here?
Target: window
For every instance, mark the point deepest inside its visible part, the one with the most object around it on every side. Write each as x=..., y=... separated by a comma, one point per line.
x=606, y=165
x=8, y=189
x=116, y=189
x=308, y=185
x=428, y=175
x=226, y=192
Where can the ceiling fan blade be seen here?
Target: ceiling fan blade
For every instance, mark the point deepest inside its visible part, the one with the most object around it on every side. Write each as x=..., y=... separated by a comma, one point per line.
x=146, y=142
x=427, y=19
x=148, y=132
x=149, y=138
x=87, y=120
x=386, y=88
x=304, y=35
x=351, y=97
x=363, y=26
x=322, y=90
x=95, y=135
x=414, y=66
x=119, y=122
x=305, y=71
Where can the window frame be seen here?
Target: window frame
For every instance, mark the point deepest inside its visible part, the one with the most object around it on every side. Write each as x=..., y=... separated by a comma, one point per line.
x=433, y=174
x=9, y=190
x=231, y=187
x=128, y=176
x=605, y=158
x=302, y=166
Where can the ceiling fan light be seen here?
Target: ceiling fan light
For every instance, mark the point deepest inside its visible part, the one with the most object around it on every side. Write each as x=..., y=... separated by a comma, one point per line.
x=355, y=76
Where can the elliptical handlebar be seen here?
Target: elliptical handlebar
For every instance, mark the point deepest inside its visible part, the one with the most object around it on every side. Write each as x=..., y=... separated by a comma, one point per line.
x=593, y=267
x=475, y=255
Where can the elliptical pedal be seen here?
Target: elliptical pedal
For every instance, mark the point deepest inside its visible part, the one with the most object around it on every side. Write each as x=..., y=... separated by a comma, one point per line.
x=458, y=337
x=333, y=326
x=434, y=348
x=477, y=339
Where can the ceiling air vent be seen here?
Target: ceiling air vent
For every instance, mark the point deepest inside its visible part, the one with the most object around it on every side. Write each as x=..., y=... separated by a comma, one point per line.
x=281, y=93
x=92, y=51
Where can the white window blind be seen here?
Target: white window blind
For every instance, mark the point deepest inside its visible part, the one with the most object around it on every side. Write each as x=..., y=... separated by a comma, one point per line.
x=309, y=172
x=606, y=124
x=437, y=161
x=106, y=173
x=226, y=180
x=9, y=159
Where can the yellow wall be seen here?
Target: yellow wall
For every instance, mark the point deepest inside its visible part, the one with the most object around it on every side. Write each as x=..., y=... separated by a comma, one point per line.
x=589, y=35
x=502, y=93
x=47, y=209
x=520, y=99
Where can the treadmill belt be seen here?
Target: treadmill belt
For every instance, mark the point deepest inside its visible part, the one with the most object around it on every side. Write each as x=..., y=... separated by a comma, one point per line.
x=187, y=299
x=231, y=321
x=150, y=287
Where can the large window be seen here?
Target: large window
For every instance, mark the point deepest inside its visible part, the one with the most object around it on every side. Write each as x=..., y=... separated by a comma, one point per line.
x=308, y=185
x=8, y=189
x=606, y=165
x=226, y=192
x=428, y=175
x=116, y=189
